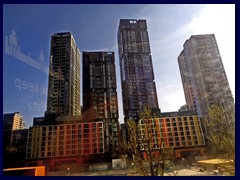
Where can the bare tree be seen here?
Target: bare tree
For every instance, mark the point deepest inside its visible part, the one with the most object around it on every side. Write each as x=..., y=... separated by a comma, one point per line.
x=150, y=153
x=221, y=132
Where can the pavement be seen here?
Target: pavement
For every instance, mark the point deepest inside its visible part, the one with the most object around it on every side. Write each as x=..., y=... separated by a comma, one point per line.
x=190, y=172
x=131, y=172
x=121, y=172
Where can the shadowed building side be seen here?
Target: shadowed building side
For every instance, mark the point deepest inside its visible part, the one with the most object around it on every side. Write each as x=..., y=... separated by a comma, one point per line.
x=100, y=95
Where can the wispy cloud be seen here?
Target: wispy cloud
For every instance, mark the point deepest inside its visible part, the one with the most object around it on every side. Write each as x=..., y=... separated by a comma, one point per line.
x=217, y=19
x=170, y=96
x=220, y=20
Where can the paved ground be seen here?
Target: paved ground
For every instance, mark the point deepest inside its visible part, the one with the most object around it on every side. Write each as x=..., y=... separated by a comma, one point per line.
x=123, y=172
x=130, y=172
x=190, y=172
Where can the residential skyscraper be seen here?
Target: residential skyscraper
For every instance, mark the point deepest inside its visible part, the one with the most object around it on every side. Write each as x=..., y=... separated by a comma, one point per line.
x=14, y=140
x=203, y=75
x=100, y=95
x=64, y=76
x=11, y=122
x=137, y=76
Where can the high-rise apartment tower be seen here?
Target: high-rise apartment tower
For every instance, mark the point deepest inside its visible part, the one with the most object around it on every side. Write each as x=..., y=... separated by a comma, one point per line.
x=203, y=75
x=12, y=122
x=64, y=76
x=100, y=95
x=137, y=76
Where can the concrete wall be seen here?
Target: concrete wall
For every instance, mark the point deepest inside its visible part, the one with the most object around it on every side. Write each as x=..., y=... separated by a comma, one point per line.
x=98, y=167
x=119, y=163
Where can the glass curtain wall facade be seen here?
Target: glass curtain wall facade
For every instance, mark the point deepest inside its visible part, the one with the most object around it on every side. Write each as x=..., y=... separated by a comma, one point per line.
x=137, y=76
x=203, y=75
x=64, y=76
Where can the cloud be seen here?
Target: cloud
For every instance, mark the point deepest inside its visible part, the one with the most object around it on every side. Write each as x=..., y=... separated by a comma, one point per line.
x=220, y=20
x=217, y=19
x=170, y=96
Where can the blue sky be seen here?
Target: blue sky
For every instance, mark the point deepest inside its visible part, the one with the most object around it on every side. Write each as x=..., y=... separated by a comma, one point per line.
x=94, y=27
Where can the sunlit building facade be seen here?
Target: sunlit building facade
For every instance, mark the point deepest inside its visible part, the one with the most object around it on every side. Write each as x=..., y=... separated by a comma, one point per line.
x=203, y=76
x=137, y=76
x=14, y=140
x=11, y=122
x=74, y=143
x=181, y=130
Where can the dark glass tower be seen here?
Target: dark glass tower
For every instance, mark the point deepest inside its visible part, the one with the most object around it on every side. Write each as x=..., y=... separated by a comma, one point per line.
x=64, y=76
x=100, y=95
x=137, y=76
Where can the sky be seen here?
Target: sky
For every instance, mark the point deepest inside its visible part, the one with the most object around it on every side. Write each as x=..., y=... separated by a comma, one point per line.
x=26, y=41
